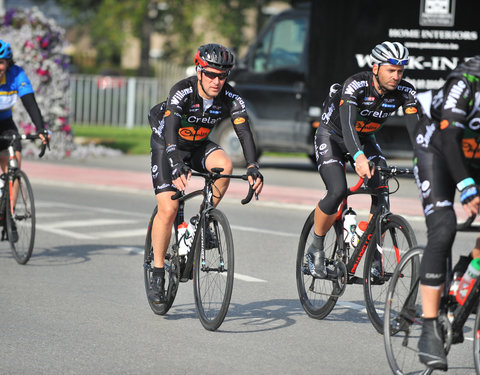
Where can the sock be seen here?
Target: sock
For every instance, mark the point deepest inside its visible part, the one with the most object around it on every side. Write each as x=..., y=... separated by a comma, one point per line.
x=318, y=241
x=158, y=272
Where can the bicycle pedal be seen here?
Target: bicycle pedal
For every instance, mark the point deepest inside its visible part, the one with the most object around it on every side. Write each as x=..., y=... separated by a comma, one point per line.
x=355, y=280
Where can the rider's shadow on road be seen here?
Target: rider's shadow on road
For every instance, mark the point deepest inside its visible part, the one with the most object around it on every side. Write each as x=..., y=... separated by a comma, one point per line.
x=262, y=316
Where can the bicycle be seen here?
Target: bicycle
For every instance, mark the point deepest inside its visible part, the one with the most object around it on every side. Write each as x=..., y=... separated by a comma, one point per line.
x=210, y=260
x=403, y=313
x=17, y=206
x=385, y=240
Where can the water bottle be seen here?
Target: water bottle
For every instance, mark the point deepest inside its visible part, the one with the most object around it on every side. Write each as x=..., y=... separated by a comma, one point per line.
x=2, y=183
x=468, y=280
x=182, y=246
x=358, y=232
x=349, y=224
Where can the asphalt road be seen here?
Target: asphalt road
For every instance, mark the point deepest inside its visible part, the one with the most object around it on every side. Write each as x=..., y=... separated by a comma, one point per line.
x=79, y=305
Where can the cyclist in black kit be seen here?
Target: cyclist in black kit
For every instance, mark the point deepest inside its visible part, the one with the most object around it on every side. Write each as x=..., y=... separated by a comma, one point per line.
x=447, y=156
x=180, y=129
x=352, y=113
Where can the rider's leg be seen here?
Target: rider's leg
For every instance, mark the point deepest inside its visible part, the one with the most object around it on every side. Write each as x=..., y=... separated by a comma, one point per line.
x=162, y=226
x=219, y=159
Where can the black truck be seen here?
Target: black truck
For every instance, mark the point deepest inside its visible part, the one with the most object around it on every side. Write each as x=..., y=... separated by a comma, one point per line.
x=287, y=71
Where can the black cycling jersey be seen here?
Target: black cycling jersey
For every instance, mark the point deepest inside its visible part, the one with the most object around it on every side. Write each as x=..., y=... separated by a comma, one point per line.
x=359, y=110
x=186, y=119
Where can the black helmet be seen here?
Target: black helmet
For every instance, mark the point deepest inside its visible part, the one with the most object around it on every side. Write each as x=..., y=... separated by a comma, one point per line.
x=214, y=56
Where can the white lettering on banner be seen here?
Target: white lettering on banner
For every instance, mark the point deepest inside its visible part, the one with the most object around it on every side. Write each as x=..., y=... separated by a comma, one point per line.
x=433, y=34
x=441, y=63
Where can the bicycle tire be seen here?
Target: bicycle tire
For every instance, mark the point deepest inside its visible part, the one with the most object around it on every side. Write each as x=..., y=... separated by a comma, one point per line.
x=403, y=312
x=476, y=341
x=397, y=237
x=23, y=218
x=171, y=270
x=318, y=298
x=213, y=274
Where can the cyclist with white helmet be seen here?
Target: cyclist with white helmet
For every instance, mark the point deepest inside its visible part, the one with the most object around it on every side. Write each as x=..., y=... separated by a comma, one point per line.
x=446, y=159
x=352, y=114
x=180, y=142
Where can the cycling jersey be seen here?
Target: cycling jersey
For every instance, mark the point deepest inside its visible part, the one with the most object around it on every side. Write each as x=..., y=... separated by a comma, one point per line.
x=13, y=85
x=358, y=110
x=187, y=119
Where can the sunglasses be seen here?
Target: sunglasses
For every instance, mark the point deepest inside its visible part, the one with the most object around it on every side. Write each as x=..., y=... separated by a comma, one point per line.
x=398, y=62
x=212, y=75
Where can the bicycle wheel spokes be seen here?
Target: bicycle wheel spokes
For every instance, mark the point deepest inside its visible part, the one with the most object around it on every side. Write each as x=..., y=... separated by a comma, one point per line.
x=316, y=295
x=403, y=312
x=214, y=269
x=380, y=263
x=171, y=270
x=21, y=224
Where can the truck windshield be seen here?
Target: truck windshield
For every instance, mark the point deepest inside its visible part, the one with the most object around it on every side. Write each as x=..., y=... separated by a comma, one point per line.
x=282, y=46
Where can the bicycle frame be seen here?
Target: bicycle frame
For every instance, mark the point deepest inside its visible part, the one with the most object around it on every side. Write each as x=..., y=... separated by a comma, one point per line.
x=382, y=211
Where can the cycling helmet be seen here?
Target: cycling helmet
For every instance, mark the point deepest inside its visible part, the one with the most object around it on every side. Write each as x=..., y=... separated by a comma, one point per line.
x=214, y=56
x=390, y=53
x=5, y=50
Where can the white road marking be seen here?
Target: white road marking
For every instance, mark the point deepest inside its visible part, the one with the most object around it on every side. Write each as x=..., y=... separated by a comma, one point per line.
x=264, y=231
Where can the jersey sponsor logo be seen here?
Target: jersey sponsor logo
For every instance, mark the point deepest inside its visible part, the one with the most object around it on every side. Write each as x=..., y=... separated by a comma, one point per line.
x=235, y=97
x=445, y=203
x=369, y=98
x=406, y=89
x=354, y=86
x=377, y=114
x=239, y=120
x=341, y=102
x=154, y=168
x=190, y=134
x=474, y=124
x=386, y=105
x=167, y=113
x=326, y=116
x=411, y=110
x=362, y=127
x=471, y=148
x=424, y=139
x=444, y=124
x=203, y=120
x=215, y=112
x=454, y=94
x=179, y=95
x=425, y=188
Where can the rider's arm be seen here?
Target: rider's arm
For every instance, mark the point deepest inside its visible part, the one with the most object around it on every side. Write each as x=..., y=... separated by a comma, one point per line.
x=173, y=117
x=348, y=109
x=31, y=106
x=452, y=127
x=241, y=125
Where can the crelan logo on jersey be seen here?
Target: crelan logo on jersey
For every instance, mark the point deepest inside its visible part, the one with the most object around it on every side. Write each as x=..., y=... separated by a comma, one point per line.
x=190, y=134
x=361, y=127
x=471, y=148
x=239, y=120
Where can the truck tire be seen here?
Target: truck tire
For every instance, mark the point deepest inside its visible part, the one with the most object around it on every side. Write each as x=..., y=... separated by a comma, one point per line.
x=225, y=136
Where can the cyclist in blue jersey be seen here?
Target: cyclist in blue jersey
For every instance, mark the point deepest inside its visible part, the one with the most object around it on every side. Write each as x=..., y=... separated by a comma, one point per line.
x=180, y=142
x=15, y=84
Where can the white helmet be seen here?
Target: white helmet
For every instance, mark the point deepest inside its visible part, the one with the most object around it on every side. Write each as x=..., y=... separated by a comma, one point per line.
x=390, y=53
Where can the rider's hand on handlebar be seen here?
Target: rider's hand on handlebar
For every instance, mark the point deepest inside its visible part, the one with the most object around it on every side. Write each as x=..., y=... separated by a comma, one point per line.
x=362, y=167
x=45, y=136
x=181, y=174
x=470, y=199
x=255, y=178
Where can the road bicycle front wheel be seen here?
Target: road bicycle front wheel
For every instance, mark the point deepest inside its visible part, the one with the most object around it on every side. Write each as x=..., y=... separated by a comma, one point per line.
x=381, y=259
x=317, y=296
x=213, y=269
x=403, y=316
x=171, y=270
x=20, y=217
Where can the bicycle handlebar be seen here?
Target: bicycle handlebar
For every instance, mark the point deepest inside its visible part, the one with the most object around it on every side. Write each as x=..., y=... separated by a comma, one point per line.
x=213, y=176
x=31, y=137
x=387, y=172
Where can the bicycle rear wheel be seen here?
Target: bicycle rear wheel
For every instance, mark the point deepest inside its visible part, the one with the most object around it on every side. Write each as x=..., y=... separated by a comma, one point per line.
x=318, y=296
x=171, y=270
x=403, y=316
x=20, y=217
x=213, y=269
x=476, y=341
x=380, y=263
